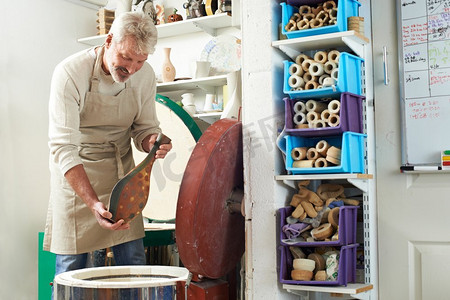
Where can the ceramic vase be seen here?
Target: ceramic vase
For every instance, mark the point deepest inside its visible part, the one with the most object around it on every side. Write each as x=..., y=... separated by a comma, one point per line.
x=168, y=70
x=209, y=102
x=233, y=106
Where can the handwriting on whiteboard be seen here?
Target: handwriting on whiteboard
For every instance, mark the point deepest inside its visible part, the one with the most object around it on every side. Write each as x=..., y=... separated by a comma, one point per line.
x=424, y=109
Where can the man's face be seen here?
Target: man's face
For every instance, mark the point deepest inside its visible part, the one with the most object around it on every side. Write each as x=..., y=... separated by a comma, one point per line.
x=121, y=60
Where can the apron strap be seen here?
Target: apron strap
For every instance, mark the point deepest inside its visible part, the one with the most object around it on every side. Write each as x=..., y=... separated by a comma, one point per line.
x=95, y=71
x=120, y=172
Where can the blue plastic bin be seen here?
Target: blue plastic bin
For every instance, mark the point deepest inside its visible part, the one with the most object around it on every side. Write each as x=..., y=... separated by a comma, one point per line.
x=349, y=79
x=345, y=9
x=347, y=228
x=352, y=153
x=346, y=267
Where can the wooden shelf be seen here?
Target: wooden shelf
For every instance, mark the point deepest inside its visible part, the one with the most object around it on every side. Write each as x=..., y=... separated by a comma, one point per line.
x=208, y=24
x=206, y=83
x=350, y=289
x=351, y=39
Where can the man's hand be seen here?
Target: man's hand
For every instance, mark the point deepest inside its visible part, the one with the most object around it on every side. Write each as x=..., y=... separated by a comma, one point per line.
x=104, y=218
x=163, y=149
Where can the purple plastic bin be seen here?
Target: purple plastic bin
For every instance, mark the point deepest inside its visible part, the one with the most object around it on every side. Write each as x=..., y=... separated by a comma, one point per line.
x=351, y=117
x=346, y=268
x=347, y=227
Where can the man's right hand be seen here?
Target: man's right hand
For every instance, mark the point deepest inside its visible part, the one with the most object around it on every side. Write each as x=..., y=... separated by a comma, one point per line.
x=104, y=218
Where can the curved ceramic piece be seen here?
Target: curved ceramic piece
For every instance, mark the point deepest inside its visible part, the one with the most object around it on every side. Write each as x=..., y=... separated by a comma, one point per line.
x=130, y=194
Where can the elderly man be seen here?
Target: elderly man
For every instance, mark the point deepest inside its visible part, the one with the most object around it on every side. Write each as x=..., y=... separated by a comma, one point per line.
x=101, y=99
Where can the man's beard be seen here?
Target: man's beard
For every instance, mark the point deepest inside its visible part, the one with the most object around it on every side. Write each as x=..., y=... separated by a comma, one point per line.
x=116, y=76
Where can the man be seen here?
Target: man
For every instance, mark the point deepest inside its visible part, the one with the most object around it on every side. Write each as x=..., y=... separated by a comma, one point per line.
x=100, y=98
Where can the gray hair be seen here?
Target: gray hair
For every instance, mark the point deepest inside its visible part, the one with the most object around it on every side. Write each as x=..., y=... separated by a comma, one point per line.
x=137, y=25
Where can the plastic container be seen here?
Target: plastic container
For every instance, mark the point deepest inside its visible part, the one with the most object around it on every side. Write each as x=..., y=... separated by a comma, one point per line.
x=345, y=9
x=347, y=227
x=351, y=117
x=352, y=152
x=346, y=267
x=349, y=79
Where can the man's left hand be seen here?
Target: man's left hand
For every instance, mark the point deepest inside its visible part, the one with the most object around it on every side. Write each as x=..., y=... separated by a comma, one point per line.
x=163, y=149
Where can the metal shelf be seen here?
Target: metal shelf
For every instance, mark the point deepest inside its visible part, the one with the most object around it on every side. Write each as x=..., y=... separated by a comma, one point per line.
x=208, y=24
x=350, y=39
x=324, y=176
x=355, y=290
x=361, y=181
x=207, y=83
x=210, y=114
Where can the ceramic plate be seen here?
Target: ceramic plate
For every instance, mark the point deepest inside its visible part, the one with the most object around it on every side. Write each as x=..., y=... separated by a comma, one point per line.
x=224, y=53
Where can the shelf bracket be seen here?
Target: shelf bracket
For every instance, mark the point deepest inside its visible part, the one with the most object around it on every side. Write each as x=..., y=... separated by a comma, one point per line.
x=207, y=88
x=362, y=184
x=290, y=183
x=354, y=45
x=211, y=31
x=289, y=52
x=304, y=295
x=362, y=296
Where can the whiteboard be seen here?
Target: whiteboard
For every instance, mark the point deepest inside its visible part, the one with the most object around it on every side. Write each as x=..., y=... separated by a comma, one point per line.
x=424, y=56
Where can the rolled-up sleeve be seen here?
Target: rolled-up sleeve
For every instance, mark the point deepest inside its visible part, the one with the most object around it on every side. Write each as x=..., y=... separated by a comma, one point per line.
x=64, y=121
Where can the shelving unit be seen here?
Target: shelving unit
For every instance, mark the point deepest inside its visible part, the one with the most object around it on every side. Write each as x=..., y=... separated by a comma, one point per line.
x=206, y=24
x=360, y=45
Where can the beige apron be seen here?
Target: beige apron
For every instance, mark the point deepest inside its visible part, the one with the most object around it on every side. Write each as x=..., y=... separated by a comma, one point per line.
x=106, y=154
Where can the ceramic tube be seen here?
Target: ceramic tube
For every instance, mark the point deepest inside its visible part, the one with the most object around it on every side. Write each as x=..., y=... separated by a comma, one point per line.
x=333, y=56
x=295, y=69
x=296, y=81
x=314, y=105
x=299, y=106
x=316, y=69
x=334, y=106
x=335, y=73
x=321, y=57
x=298, y=153
x=299, y=118
x=329, y=66
x=334, y=120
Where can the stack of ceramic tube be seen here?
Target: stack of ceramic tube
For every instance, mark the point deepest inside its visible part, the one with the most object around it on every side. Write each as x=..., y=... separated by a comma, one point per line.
x=321, y=156
x=308, y=73
x=307, y=17
x=356, y=24
x=105, y=19
x=316, y=114
x=320, y=265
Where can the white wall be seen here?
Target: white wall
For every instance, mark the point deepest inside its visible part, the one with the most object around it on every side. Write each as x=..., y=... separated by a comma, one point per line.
x=35, y=36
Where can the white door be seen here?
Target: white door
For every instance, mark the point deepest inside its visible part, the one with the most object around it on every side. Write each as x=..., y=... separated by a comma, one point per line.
x=413, y=210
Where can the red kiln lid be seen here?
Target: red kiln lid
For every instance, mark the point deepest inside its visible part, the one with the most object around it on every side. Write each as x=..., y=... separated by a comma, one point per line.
x=210, y=239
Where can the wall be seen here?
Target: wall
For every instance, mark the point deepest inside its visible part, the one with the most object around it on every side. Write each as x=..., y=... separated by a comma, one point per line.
x=35, y=36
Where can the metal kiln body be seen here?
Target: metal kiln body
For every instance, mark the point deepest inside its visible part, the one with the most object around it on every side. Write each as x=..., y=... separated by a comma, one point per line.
x=119, y=282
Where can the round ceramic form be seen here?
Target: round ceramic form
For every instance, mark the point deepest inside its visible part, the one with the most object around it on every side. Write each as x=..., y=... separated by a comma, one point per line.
x=119, y=282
